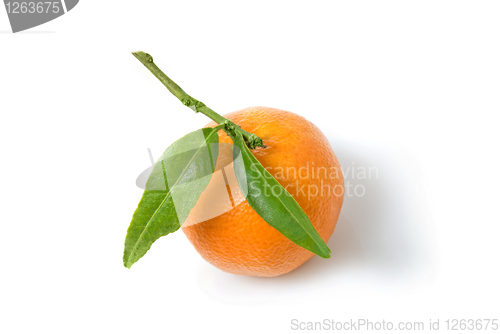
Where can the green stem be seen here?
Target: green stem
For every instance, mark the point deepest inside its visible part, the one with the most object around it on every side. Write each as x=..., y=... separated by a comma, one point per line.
x=252, y=140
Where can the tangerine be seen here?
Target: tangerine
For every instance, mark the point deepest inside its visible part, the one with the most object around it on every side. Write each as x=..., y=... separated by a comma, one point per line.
x=300, y=157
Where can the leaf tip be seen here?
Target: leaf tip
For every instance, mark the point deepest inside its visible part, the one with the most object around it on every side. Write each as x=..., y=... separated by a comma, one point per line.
x=326, y=253
x=127, y=261
x=128, y=265
x=323, y=251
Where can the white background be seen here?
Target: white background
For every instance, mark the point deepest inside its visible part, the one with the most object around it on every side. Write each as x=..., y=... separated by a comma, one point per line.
x=409, y=87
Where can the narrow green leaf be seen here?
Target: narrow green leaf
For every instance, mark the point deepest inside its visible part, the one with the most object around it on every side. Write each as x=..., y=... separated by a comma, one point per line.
x=172, y=190
x=273, y=202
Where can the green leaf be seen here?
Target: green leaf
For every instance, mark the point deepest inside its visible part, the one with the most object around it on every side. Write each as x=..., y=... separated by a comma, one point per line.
x=273, y=202
x=172, y=190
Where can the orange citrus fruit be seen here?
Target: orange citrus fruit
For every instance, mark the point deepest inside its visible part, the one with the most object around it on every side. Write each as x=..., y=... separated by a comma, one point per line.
x=300, y=157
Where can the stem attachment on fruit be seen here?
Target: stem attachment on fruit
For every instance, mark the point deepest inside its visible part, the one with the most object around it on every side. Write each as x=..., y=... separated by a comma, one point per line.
x=251, y=139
